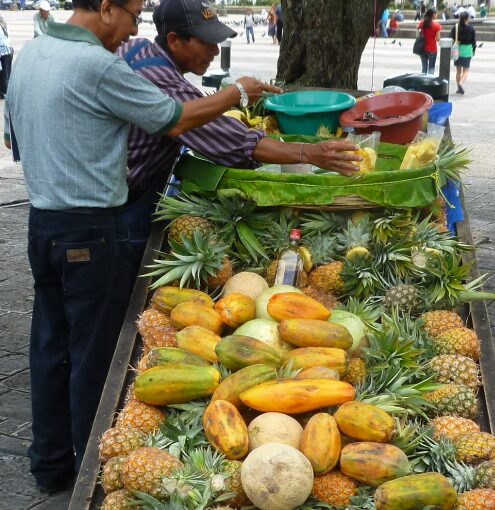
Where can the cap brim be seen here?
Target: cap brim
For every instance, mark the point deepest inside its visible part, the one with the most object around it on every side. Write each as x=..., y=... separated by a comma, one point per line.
x=214, y=32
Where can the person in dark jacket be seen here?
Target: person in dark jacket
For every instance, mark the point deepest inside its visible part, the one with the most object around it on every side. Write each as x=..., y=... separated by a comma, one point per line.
x=466, y=38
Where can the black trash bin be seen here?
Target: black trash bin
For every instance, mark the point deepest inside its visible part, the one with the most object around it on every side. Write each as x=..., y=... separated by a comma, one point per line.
x=436, y=87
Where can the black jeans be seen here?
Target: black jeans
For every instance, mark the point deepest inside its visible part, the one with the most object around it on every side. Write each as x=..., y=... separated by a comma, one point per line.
x=80, y=266
x=5, y=72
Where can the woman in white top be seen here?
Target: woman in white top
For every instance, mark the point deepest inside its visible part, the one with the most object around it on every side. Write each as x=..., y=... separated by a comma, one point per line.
x=6, y=54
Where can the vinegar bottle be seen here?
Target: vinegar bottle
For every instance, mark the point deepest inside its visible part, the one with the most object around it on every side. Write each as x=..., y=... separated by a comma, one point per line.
x=290, y=262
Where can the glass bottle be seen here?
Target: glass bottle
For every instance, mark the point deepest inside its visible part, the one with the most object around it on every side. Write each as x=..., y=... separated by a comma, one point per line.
x=290, y=262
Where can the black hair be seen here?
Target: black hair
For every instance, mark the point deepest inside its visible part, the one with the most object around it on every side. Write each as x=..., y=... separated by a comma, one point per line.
x=428, y=19
x=161, y=39
x=93, y=5
x=463, y=17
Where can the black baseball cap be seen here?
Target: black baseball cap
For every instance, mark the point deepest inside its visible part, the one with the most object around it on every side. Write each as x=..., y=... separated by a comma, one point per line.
x=194, y=16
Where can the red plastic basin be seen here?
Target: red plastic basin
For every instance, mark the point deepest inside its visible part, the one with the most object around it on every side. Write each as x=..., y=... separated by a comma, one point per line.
x=399, y=115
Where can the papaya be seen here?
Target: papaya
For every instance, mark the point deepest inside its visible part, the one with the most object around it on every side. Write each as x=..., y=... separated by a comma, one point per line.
x=293, y=396
x=425, y=490
x=175, y=384
x=226, y=430
x=314, y=333
x=292, y=305
x=166, y=298
x=307, y=357
x=232, y=386
x=236, y=309
x=365, y=422
x=199, y=341
x=373, y=463
x=192, y=314
x=320, y=443
x=165, y=355
x=318, y=373
x=238, y=351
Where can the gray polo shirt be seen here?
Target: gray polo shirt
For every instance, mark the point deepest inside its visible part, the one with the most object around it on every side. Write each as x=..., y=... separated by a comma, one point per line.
x=71, y=102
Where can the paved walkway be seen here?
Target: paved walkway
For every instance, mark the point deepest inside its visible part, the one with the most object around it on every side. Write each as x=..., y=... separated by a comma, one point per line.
x=472, y=124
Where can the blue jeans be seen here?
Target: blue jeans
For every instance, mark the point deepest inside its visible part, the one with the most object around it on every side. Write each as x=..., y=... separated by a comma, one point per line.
x=80, y=266
x=249, y=30
x=383, y=28
x=428, y=61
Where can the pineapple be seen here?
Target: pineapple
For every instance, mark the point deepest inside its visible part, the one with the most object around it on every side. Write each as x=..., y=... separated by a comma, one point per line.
x=156, y=330
x=118, y=500
x=450, y=427
x=437, y=322
x=356, y=371
x=328, y=300
x=453, y=399
x=144, y=469
x=477, y=499
x=404, y=297
x=474, y=447
x=354, y=239
x=199, y=262
x=120, y=441
x=185, y=225
x=334, y=488
x=111, y=475
x=359, y=278
x=451, y=368
x=484, y=475
x=327, y=278
x=140, y=416
x=461, y=341
x=232, y=469
x=396, y=225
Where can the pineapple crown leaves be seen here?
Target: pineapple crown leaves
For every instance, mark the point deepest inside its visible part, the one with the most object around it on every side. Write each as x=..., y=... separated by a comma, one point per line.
x=393, y=226
x=287, y=372
x=191, y=263
x=409, y=435
x=365, y=310
x=275, y=236
x=145, y=501
x=321, y=246
x=427, y=236
x=450, y=163
x=397, y=390
x=432, y=455
x=321, y=221
x=361, y=279
x=393, y=261
x=355, y=234
x=170, y=208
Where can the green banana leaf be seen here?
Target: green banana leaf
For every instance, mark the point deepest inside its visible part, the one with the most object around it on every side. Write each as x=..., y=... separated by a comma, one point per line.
x=386, y=186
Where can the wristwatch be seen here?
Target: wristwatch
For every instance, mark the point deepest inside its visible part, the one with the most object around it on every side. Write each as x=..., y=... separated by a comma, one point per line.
x=244, y=102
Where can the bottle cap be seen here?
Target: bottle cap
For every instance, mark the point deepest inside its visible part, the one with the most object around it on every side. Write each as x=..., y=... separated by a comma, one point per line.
x=295, y=233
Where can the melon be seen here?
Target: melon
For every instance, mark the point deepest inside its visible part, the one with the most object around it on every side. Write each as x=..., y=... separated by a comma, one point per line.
x=274, y=428
x=249, y=284
x=266, y=331
x=355, y=326
x=277, y=477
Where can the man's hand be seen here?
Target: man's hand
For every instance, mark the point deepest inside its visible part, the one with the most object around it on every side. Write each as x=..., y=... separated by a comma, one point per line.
x=336, y=156
x=254, y=88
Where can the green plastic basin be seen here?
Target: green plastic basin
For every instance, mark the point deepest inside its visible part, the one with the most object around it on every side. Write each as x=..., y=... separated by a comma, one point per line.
x=303, y=112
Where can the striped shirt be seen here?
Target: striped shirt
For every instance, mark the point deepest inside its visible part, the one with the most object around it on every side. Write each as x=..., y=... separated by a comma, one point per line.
x=225, y=141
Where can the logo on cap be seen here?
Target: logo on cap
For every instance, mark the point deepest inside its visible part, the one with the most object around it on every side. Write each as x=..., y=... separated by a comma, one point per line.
x=207, y=12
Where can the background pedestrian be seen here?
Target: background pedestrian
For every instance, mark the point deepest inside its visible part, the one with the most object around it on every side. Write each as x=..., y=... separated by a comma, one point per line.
x=466, y=38
x=272, y=23
x=280, y=22
x=41, y=17
x=6, y=54
x=249, y=24
x=431, y=33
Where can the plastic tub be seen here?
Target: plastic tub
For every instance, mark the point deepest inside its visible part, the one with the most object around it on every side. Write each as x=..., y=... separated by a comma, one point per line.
x=398, y=116
x=303, y=112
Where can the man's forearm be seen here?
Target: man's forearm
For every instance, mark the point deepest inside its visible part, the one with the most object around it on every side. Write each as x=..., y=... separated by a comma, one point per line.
x=197, y=112
x=269, y=150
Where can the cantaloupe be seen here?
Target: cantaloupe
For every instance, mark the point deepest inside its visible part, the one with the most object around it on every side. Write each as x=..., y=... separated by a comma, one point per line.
x=274, y=428
x=249, y=284
x=277, y=477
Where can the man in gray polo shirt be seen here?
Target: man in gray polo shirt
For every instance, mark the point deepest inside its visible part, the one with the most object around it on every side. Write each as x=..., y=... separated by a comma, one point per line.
x=72, y=141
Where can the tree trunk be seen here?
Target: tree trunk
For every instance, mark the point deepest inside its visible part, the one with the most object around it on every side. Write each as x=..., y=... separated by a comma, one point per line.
x=323, y=40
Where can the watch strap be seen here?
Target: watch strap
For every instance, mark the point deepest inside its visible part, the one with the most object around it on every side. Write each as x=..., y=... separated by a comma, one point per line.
x=244, y=97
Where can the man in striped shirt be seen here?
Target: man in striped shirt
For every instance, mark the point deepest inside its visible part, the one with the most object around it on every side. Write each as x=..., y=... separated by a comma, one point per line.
x=186, y=42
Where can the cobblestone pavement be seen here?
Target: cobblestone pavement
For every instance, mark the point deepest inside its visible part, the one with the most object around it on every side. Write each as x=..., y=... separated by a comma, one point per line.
x=472, y=124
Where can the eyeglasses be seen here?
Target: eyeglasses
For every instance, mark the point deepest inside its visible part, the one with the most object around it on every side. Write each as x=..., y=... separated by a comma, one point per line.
x=137, y=19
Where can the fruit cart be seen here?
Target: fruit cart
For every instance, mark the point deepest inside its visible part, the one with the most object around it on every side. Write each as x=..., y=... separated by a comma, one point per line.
x=88, y=494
